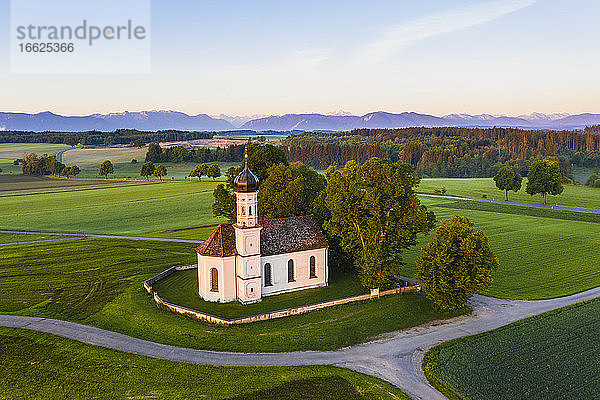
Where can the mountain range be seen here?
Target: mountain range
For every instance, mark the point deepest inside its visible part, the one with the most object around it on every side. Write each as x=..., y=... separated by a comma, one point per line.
x=339, y=121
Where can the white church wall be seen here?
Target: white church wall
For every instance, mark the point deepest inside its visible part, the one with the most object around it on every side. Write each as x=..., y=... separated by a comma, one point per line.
x=302, y=279
x=226, y=278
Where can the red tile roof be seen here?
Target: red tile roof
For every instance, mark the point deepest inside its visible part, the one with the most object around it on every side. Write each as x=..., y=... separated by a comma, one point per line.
x=278, y=236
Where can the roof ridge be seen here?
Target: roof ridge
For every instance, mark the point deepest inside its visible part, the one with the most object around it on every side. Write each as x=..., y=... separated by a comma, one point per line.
x=296, y=216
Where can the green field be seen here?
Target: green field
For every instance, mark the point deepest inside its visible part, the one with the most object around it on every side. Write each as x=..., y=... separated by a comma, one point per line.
x=539, y=257
x=182, y=288
x=16, y=150
x=99, y=282
x=41, y=366
x=552, y=356
x=24, y=185
x=136, y=209
x=574, y=196
x=18, y=238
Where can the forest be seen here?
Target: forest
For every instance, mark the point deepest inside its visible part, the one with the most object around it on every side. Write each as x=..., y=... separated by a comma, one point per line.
x=449, y=151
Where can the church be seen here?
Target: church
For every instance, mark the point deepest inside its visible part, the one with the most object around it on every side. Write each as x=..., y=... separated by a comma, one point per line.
x=251, y=259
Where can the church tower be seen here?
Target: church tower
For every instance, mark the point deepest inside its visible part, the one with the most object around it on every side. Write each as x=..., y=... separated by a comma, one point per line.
x=247, y=236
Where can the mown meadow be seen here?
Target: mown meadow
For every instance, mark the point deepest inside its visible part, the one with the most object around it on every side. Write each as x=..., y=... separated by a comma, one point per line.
x=550, y=356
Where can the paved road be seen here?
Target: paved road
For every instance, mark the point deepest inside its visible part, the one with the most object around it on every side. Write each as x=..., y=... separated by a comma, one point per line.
x=91, y=235
x=511, y=203
x=395, y=357
x=60, y=154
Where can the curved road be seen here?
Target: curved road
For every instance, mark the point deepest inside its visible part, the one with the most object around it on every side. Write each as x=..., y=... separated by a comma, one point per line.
x=395, y=357
x=512, y=203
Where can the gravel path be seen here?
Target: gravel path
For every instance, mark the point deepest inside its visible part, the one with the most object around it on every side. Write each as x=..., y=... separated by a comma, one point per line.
x=395, y=357
x=511, y=203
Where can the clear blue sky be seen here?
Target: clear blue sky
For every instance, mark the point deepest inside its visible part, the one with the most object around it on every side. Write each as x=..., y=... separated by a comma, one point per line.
x=273, y=57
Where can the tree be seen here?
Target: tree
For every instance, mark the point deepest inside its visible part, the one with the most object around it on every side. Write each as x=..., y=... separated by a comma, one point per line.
x=54, y=166
x=544, y=177
x=213, y=171
x=72, y=170
x=71, y=140
x=160, y=171
x=508, y=179
x=154, y=153
x=199, y=171
x=289, y=190
x=456, y=264
x=224, y=205
x=0, y=170
x=260, y=159
x=106, y=168
x=375, y=214
x=147, y=169
x=594, y=180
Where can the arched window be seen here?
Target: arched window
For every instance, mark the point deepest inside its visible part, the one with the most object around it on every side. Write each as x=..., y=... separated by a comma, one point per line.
x=243, y=210
x=313, y=267
x=249, y=210
x=291, y=271
x=214, y=280
x=268, y=275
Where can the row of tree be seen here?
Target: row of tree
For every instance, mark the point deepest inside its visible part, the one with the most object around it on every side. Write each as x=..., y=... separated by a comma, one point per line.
x=544, y=178
x=147, y=170
x=176, y=154
x=212, y=171
x=32, y=164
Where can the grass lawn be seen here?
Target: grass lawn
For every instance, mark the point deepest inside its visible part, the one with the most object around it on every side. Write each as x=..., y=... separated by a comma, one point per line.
x=551, y=356
x=42, y=366
x=539, y=257
x=13, y=184
x=136, y=209
x=99, y=282
x=574, y=196
x=182, y=288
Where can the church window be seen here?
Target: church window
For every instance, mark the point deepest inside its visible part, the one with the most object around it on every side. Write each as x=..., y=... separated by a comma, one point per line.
x=291, y=271
x=243, y=210
x=214, y=280
x=268, y=275
x=249, y=210
x=313, y=267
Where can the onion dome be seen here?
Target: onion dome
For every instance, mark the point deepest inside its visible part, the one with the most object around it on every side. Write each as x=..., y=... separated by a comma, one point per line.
x=246, y=181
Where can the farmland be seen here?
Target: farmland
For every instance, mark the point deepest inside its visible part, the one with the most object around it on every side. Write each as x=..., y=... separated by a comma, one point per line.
x=574, y=196
x=539, y=257
x=99, y=282
x=550, y=356
x=43, y=366
x=134, y=209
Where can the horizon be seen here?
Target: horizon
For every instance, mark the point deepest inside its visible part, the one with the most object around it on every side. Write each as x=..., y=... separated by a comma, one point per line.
x=469, y=57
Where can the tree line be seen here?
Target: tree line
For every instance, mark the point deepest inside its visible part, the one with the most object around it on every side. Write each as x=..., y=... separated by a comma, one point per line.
x=119, y=136
x=175, y=154
x=450, y=151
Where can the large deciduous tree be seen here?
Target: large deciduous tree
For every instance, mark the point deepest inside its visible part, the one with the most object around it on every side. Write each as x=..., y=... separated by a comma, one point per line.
x=544, y=177
x=375, y=214
x=508, y=179
x=147, y=169
x=456, y=264
x=106, y=168
x=289, y=190
x=199, y=171
x=260, y=159
x=160, y=171
x=213, y=171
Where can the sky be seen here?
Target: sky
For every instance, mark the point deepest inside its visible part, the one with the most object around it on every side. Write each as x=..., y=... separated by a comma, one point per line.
x=267, y=57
